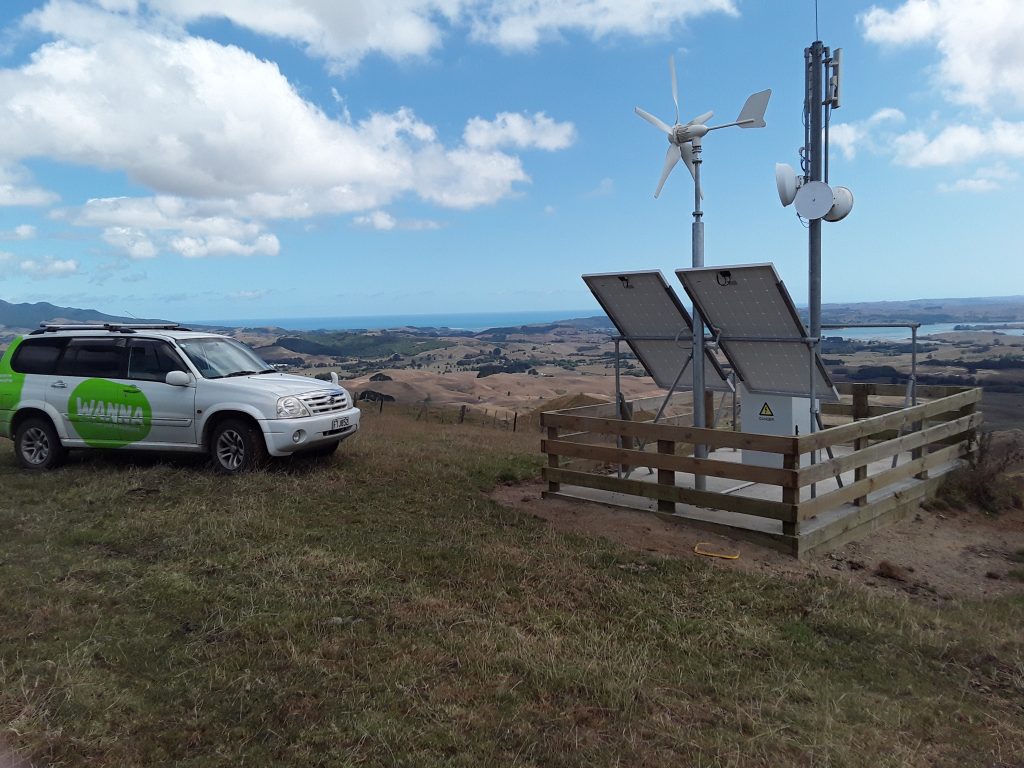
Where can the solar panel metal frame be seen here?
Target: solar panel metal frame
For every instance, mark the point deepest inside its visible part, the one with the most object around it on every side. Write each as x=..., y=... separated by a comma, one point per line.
x=751, y=353
x=653, y=347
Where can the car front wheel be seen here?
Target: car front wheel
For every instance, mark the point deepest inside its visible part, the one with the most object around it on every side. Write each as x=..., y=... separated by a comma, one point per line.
x=37, y=445
x=236, y=446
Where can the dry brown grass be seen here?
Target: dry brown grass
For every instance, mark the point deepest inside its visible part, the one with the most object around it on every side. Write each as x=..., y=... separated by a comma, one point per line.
x=378, y=609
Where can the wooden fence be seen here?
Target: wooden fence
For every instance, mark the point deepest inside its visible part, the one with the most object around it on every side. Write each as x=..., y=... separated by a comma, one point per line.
x=813, y=505
x=450, y=413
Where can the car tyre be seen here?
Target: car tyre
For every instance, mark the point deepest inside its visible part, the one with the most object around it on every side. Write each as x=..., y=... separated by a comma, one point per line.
x=237, y=446
x=37, y=445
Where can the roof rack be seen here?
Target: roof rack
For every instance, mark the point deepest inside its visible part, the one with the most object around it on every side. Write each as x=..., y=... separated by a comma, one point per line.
x=112, y=327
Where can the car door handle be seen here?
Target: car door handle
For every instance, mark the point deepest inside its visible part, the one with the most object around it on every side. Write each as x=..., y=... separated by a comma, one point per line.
x=59, y=385
x=132, y=390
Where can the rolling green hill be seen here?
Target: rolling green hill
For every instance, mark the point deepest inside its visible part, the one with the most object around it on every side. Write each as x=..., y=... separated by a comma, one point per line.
x=31, y=315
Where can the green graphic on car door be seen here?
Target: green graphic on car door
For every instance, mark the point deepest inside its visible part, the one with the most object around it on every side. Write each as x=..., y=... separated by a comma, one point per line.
x=11, y=384
x=106, y=414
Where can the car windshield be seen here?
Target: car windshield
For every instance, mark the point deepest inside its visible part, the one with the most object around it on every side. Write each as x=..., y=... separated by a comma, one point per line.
x=218, y=358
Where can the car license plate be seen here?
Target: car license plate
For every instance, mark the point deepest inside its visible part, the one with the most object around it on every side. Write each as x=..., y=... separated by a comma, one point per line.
x=339, y=423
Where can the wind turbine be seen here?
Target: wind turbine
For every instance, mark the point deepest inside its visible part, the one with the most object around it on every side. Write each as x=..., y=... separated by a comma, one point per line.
x=684, y=143
x=685, y=138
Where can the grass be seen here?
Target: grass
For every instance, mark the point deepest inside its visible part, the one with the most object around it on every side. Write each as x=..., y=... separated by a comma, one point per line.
x=378, y=609
x=989, y=480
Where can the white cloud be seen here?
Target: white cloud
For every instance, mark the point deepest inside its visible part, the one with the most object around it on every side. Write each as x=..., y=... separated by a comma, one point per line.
x=200, y=247
x=848, y=137
x=510, y=129
x=960, y=144
x=345, y=31
x=119, y=5
x=381, y=220
x=986, y=179
x=186, y=116
x=142, y=227
x=466, y=178
x=20, y=232
x=248, y=295
x=970, y=185
x=420, y=224
x=524, y=23
x=48, y=267
x=341, y=31
x=981, y=58
x=16, y=188
x=134, y=242
x=384, y=221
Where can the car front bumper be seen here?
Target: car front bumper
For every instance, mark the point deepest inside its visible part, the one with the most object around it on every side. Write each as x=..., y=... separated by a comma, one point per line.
x=286, y=436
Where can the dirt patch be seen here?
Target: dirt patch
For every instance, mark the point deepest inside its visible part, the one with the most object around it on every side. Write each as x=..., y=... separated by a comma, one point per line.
x=930, y=556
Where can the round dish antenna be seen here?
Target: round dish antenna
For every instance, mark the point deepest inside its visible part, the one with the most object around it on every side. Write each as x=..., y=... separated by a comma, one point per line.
x=842, y=206
x=814, y=199
x=787, y=182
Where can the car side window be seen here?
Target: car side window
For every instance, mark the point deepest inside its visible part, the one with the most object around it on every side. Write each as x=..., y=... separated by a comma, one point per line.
x=152, y=360
x=93, y=359
x=38, y=356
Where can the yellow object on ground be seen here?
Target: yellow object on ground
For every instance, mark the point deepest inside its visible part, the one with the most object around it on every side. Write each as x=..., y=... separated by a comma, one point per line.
x=697, y=549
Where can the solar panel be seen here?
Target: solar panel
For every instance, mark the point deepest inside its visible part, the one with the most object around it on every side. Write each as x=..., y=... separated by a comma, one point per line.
x=652, y=320
x=759, y=330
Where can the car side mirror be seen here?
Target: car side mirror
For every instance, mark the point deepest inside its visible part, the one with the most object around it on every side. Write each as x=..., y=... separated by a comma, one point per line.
x=178, y=379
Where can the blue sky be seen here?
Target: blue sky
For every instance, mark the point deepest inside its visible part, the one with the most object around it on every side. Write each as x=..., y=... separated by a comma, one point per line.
x=205, y=159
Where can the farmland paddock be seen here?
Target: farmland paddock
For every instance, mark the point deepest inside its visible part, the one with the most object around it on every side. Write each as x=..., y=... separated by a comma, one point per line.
x=873, y=463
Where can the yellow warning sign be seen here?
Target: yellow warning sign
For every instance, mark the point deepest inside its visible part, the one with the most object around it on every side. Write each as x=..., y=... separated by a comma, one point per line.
x=766, y=411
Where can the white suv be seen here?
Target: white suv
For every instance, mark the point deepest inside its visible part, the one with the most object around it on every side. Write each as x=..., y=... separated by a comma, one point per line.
x=165, y=388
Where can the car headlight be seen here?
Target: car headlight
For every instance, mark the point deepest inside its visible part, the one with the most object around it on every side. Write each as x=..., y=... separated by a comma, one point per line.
x=291, y=408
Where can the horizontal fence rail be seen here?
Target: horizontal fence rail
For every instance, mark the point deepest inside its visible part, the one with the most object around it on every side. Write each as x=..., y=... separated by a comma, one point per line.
x=877, y=464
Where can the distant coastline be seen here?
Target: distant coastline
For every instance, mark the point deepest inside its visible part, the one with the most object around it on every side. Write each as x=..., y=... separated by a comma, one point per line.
x=461, y=321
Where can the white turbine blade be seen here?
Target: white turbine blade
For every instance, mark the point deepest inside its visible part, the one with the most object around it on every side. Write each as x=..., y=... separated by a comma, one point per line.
x=752, y=114
x=670, y=162
x=701, y=119
x=653, y=120
x=675, y=85
x=686, y=150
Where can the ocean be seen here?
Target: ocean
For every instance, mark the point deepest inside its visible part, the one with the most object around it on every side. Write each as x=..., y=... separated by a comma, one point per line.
x=463, y=321
x=899, y=334
x=479, y=321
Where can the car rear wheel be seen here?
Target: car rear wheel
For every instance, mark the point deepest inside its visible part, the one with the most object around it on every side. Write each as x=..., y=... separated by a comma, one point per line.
x=37, y=445
x=236, y=446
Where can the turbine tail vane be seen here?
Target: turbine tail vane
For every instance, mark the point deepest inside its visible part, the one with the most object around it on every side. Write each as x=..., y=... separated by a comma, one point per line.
x=752, y=114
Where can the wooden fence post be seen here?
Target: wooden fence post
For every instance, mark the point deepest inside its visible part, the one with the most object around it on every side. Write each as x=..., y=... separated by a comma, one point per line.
x=791, y=495
x=553, y=487
x=861, y=410
x=462, y=414
x=626, y=442
x=515, y=420
x=666, y=476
